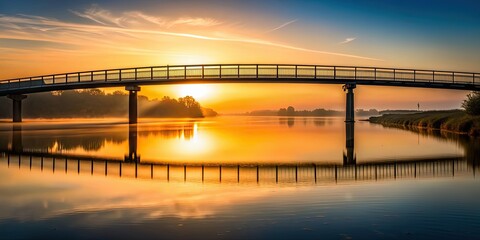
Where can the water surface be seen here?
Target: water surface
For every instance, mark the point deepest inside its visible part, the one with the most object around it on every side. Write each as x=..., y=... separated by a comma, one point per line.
x=235, y=178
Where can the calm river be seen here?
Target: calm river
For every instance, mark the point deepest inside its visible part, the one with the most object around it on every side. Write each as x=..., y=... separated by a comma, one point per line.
x=235, y=177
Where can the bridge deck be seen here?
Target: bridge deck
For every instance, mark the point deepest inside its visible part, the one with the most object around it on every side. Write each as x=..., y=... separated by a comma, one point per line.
x=243, y=73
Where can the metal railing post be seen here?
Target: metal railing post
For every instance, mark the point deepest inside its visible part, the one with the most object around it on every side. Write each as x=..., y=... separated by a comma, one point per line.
x=334, y=73
x=78, y=75
x=277, y=71
x=151, y=73
x=106, y=77
x=296, y=70
x=433, y=76
x=185, y=72
x=394, y=75
x=315, y=73
x=120, y=74
x=414, y=75
x=257, y=71
x=375, y=74
x=135, y=74
x=91, y=76
x=453, y=77
x=473, y=79
x=168, y=72
x=203, y=72
x=220, y=72
x=355, y=73
x=66, y=78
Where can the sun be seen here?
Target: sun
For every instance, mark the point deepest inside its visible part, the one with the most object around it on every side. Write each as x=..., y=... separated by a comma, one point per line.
x=197, y=91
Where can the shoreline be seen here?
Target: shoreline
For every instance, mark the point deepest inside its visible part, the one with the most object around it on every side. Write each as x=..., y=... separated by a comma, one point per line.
x=455, y=121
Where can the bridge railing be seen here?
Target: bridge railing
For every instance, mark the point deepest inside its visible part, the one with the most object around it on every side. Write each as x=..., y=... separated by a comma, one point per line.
x=245, y=71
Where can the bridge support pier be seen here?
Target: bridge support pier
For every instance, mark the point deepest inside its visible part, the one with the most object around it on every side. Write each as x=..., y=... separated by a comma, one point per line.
x=17, y=107
x=350, y=108
x=132, y=103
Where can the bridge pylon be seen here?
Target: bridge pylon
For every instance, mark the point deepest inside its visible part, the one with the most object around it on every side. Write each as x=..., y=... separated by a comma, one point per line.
x=350, y=107
x=132, y=103
x=17, y=106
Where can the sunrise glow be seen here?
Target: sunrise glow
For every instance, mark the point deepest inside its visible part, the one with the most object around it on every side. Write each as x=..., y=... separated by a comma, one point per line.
x=198, y=91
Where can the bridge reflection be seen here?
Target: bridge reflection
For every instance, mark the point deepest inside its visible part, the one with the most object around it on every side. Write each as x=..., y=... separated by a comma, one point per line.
x=266, y=173
x=132, y=166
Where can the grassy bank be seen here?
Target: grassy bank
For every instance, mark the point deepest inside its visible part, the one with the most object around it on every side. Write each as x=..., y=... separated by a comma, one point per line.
x=454, y=120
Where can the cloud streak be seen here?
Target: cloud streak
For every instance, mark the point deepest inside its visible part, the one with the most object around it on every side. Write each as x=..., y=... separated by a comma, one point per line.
x=282, y=26
x=348, y=40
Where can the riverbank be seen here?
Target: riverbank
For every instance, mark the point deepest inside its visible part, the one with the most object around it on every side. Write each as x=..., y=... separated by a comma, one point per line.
x=453, y=120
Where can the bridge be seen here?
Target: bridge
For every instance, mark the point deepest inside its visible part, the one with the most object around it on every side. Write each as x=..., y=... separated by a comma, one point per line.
x=132, y=78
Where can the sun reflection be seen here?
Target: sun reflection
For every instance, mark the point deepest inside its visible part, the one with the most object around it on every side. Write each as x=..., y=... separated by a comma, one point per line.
x=196, y=145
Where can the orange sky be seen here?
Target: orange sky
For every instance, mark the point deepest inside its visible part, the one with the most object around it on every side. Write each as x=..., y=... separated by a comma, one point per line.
x=97, y=37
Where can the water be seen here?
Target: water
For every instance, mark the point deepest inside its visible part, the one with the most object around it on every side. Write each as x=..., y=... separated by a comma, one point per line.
x=235, y=178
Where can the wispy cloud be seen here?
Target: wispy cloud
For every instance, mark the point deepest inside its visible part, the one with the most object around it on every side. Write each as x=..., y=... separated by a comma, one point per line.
x=134, y=28
x=348, y=40
x=282, y=26
x=201, y=22
x=102, y=16
x=125, y=19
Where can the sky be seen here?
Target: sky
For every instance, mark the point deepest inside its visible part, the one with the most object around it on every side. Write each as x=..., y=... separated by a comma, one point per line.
x=46, y=37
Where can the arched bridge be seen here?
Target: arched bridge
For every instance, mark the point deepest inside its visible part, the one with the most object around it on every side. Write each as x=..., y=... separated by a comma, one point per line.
x=132, y=78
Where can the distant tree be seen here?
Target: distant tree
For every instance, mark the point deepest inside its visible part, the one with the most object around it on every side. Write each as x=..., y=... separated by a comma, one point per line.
x=472, y=103
x=94, y=92
x=290, y=111
x=363, y=112
x=282, y=112
x=118, y=92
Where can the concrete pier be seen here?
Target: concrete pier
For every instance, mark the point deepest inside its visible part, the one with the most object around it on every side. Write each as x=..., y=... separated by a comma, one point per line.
x=132, y=103
x=17, y=107
x=350, y=106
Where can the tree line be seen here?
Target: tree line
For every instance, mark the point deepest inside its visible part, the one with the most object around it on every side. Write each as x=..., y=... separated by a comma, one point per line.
x=97, y=103
x=319, y=112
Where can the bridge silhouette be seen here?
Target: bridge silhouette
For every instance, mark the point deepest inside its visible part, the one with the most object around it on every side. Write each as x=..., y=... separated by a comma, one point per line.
x=132, y=78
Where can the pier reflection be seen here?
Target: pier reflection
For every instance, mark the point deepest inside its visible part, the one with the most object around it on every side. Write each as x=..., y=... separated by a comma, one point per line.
x=349, y=157
x=17, y=141
x=132, y=144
